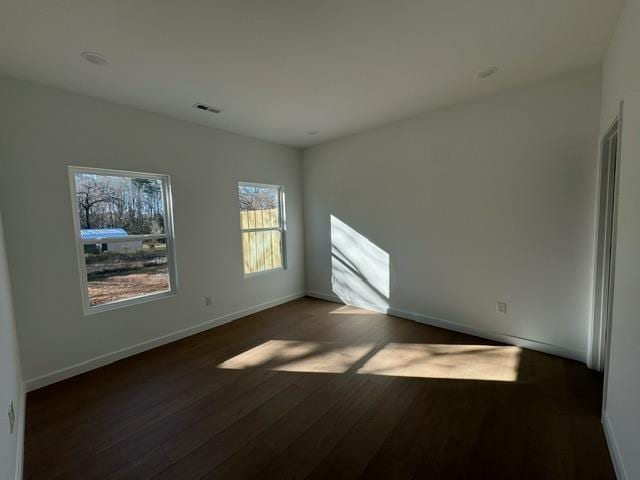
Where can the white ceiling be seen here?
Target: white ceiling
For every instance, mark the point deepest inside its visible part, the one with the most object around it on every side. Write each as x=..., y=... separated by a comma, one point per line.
x=280, y=68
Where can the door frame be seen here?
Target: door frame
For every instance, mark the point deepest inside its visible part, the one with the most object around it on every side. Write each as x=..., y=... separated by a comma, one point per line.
x=605, y=248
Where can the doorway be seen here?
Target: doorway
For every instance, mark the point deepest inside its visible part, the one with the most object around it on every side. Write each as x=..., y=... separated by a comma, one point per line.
x=605, y=246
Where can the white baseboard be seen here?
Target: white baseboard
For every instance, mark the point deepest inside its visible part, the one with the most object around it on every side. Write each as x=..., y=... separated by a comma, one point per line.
x=22, y=414
x=616, y=458
x=102, y=360
x=469, y=330
x=330, y=297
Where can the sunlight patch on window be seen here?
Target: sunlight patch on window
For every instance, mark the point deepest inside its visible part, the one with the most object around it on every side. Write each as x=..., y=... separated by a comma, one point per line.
x=300, y=356
x=359, y=268
x=463, y=362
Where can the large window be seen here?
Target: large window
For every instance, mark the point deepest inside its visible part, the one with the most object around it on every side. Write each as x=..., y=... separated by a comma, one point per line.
x=263, y=227
x=124, y=236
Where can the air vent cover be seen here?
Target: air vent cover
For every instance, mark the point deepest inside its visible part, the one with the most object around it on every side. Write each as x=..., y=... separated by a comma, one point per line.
x=206, y=108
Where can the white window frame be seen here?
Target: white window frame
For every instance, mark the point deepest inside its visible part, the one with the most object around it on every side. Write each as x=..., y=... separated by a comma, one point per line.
x=282, y=217
x=168, y=236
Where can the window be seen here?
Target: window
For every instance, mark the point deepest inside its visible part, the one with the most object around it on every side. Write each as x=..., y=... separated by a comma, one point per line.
x=124, y=236
x=262, y=223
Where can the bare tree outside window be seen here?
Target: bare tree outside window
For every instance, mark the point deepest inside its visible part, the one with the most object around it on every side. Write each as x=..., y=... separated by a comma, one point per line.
x=134, y=204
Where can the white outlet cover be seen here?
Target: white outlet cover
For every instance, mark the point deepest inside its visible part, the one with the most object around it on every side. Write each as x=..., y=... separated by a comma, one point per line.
x=501, y=307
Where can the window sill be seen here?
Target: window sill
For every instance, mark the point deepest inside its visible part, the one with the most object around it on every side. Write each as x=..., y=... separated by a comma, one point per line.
x=151, y=297
x=263, y=272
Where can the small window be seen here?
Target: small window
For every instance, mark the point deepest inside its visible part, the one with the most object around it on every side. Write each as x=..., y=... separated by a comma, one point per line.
x=263, y=227
x=124, y=236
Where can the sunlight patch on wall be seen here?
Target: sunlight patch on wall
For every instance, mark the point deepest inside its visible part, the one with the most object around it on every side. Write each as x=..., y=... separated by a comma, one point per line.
x=463, y=362
x=300, y=356
x=359, y=268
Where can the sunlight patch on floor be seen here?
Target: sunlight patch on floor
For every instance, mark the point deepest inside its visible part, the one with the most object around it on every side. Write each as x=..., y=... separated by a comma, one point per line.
x=468, y=362
x=300, y=356
x=349, y=310
x=418, y=360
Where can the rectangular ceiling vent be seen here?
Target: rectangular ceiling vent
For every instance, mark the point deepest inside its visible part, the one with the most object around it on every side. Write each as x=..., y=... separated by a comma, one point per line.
x=206, y=108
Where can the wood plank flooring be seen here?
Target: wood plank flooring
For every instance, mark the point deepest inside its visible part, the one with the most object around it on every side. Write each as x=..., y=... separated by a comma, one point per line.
x=312, y=389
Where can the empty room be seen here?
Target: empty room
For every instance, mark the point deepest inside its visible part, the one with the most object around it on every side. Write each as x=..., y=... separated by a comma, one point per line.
x=289, y=239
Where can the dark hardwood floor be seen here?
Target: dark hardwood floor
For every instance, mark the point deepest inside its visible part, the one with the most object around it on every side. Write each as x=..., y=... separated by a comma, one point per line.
x=312, y=389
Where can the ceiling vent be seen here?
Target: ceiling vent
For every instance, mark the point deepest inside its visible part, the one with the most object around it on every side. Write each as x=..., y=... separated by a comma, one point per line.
x=206, y=108
x=95, y=58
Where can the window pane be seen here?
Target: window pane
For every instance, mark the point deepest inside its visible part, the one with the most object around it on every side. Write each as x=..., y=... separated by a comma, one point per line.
x=276, y=242
x=123, y=270
x=260, y=205
x=126, y=205
x=262, y=250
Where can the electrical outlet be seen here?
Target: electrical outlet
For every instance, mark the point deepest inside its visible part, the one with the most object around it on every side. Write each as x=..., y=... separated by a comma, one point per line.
x=12, y=418
x=501, y=307
x=208, y=301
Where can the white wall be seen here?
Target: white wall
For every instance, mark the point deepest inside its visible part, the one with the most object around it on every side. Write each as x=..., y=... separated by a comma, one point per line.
x=621, y=81
x=455, y=209
x=10, y=377
x=42, y=131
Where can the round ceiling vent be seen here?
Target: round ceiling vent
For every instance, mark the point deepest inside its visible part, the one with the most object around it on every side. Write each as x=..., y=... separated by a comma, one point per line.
x=95, y=58
x=487, y=72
